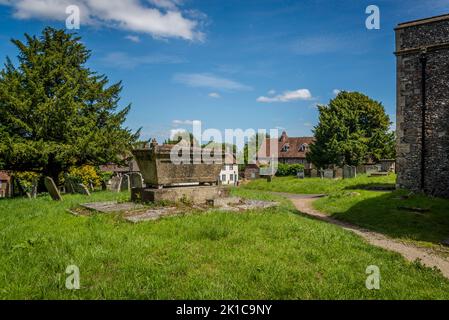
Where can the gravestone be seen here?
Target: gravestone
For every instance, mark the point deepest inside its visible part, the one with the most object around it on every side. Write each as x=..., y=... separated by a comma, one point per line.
x=116, y=183
x=52, y=189
x=300, y=175
x=82, y=189
x=328, y=174
x=125, y=185
x=349, y=172
x=136, y=180
x=313, y=173
x=69, y=185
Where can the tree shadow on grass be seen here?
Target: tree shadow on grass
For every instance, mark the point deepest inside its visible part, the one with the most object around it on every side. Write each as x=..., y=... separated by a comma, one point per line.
x=392, y=214
x=375, y=186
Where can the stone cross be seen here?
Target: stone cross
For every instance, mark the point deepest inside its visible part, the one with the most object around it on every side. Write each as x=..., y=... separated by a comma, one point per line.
x=52, y=189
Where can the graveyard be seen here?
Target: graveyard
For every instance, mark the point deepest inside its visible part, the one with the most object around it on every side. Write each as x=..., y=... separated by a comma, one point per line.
x=361, y=182
x=272, y=253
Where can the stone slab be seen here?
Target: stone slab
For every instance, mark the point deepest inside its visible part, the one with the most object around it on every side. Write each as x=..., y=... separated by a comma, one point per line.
x=113, y=206
x=193, y=195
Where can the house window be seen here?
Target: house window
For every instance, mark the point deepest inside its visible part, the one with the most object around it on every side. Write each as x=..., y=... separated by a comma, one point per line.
x=231, y=177
x=303, y=147
x=285, y=148
x=223, y=177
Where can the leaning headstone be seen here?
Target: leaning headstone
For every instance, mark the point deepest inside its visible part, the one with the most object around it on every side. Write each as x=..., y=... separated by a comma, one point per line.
x=313, y=173
x=52, y=189
x=91, y=186
x=136, y=180
x=115, y=183
x=125, y=185
x=328, y=174
x=82, y=189
x=300, y=175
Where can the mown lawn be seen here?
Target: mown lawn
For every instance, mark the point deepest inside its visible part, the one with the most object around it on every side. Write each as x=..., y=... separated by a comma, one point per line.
x=392, y=213
x=320, y=186
x=271, y=254
x=353, y=200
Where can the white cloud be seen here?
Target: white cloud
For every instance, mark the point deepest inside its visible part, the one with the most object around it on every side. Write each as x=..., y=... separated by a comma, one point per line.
x=162, y=19
x=308, y=124
x=177, y=123
x=272, y=92
x=336, y=91
x=174, y=133
x=214, y=95
x=287, y=96
x=135, y=39
x=125, y=61
x=205, y=80
x=166, y=4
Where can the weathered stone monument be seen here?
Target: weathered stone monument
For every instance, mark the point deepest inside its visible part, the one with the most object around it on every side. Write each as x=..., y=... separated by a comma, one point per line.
x=52, y=189
x=328, y=174
x=349, y=172
x=422, y=50
x=170, y=181
x=116, y=182
x=125, y=184
x=82, y=189
x=136, y=180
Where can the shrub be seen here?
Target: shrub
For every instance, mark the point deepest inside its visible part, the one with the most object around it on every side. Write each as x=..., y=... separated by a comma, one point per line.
x=289, y=169
x=85, y=175
x=26, y=180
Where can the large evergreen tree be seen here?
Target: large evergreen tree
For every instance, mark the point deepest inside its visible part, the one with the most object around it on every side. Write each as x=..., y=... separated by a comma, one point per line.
x=352, y=129
x=55, y=112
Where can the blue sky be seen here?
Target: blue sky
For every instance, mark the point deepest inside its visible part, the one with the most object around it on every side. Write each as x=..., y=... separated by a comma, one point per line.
x=230, y=63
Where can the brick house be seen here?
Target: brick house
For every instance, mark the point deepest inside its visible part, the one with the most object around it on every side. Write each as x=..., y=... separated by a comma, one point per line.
x=5, y=185
x=290, y=150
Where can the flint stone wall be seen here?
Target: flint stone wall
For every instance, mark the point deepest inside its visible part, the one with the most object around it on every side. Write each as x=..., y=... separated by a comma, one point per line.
x=414, y=40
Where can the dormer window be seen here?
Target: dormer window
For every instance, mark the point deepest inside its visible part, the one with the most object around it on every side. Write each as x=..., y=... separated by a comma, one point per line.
x=285, y=148
x=303, y=147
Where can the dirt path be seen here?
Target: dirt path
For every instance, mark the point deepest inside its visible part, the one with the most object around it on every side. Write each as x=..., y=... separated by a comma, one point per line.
x=304, y=204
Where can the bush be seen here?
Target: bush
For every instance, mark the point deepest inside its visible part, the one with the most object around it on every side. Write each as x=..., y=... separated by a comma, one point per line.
x=85, y=175
x=26, y=180
x=289, y=169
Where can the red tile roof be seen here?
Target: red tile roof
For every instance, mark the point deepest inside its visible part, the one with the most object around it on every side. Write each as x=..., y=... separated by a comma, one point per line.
x=294, y=147
x=4, y=176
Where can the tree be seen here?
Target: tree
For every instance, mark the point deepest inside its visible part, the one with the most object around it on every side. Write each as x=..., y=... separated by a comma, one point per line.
x=352, y=129
x=55, y=112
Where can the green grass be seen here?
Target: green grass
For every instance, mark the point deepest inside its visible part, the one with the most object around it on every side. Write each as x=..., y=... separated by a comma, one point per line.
x=380, y=211
x=271, y=254
x=353, y=201
x=319, y=186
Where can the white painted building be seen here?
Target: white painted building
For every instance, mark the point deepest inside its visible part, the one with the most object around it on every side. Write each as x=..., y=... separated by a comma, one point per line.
x=229, y=175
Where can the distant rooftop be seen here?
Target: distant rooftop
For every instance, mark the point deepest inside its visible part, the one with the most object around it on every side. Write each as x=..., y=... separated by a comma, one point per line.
x=423, y=21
